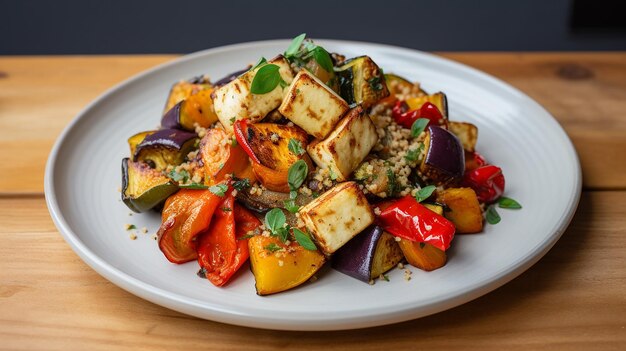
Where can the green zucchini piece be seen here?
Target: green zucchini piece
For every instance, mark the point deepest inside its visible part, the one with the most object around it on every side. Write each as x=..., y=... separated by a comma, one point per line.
x=361, y=82
x=143, y=187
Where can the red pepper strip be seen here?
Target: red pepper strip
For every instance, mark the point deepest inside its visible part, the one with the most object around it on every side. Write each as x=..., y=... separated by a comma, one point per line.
x=407, y=118
x=410, y=220
x=241, y=129
x=487, y=181
x=220, y=253
x=185, y=215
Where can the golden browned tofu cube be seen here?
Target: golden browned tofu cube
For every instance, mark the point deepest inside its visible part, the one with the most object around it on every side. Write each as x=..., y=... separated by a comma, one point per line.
x=465, y=211
x=312, y=105
x=235, y=101
x=345, y=147
x=337, y=216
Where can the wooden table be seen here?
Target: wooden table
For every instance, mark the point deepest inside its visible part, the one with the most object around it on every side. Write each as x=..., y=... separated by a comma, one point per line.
x=574, y=298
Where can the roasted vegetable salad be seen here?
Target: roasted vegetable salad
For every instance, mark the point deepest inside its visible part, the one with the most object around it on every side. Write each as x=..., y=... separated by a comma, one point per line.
x=308, y=158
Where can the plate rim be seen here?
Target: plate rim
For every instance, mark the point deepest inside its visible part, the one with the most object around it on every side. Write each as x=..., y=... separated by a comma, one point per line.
x=218, y=313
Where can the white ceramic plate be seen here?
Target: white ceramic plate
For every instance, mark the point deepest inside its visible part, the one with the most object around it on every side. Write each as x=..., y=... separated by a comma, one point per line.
x=541, y=168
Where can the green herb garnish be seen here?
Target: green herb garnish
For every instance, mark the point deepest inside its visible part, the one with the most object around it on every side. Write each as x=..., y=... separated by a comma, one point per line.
x=323, y=58
x=273, y=247
x=259, y=63
x=422, y=245
x=182, y=176
x=297, y=174
x=244, y=237
x=290, y=205
x=413, y=154
x=266, y=79
x=226, y=209
x=492, y=215
x=418, y=126
x=232, y=120
x=194, y=186
x=295, y=146
x=424, y=193
x=275, y=219
x=294, y=47
x=507, y=202
x=385, y=277
x=219, y=189
x=333, y=175
x=304, y=239
x=241, y=184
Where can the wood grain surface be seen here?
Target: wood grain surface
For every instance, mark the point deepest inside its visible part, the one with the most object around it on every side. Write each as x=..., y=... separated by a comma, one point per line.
x=573, y=299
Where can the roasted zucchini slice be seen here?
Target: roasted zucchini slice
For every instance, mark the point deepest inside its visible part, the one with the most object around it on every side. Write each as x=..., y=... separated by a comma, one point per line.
x=165, y=147
x=143, y=187
x=361, y=82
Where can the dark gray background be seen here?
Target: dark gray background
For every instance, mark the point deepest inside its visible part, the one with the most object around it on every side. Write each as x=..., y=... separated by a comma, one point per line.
x=183, y=26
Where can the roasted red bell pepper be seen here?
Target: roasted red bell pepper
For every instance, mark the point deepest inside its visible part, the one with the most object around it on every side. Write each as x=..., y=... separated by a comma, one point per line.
x=410, y=220
x=406, y=118
x=222, y=249
x=487, y=181
x=241, y=130
x=185, y=215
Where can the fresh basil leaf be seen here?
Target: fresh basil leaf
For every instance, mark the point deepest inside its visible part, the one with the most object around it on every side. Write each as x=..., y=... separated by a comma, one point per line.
x=412, y=155
x=290, y=205
x=182, y=176
x=323, y=58
x=297, y=174
x=303, y=239
x=219, y=189
x=295, y=146
x=273, y=247
x=266, y=79
x=507, y=202
x=195, y=186
x=333, y=175
x=424, y=193
x=283, y=233
x=392, y=184
x=418, y=127
x=244, y=237
x=492, y=215
x=294, y=47
x=259, y=63
x=275, y=219
x=293, y=194
x=241, y=184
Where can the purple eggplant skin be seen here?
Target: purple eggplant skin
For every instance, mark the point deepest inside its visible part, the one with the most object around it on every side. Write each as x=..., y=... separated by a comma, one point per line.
x=356, y=257
x=171, y=119
x=230, y=77
x=165, y=147
x=445, y=158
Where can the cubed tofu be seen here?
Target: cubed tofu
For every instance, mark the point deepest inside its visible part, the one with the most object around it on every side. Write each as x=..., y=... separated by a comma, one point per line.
x=345, y=147
x=235, y=101
x=337, y=216
x=312, y=105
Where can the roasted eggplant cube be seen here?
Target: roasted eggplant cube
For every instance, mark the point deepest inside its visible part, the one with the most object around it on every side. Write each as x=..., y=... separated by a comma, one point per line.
x=235, y=101
x=165, y=147
x=368, y=255
x=195, y=110
x=465, y=212
x=445, y=159
x=466, y=132
x=337, y=216
x=143, y=187
x=438, y=99
x=345, y=147
x=312, y=105
x=282, y=269
x=361, y=82
x=136, y=139
x=184, y=89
